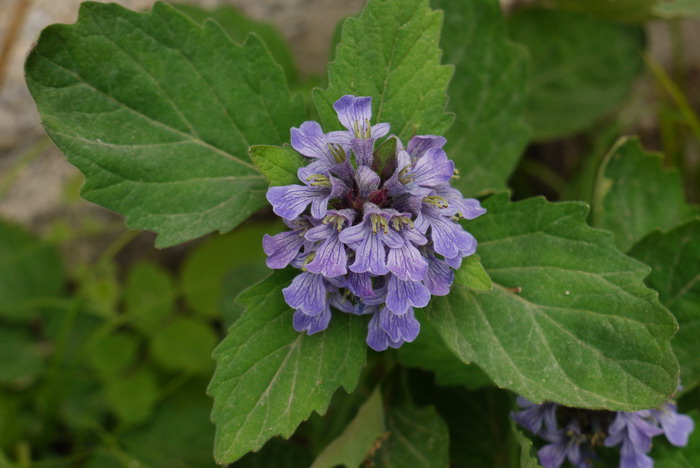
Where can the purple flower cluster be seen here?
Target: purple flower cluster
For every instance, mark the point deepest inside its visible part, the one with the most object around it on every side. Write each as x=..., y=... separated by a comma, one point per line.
x=371, y=236
x=574, y=434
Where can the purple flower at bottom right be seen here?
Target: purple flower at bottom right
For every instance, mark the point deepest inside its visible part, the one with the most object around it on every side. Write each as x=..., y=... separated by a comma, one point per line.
x=573, y=434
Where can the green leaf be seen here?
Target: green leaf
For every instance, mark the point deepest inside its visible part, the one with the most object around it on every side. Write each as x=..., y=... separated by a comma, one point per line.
x=113, y=354
x=149, y=296
x=132, y=398
x=390, y=52
x=99, y=288
x=30, y=270
x=279, y=164
x=620, y=10
x=352, y=446
x=158, y=113
x=238, y=26
x=429, y=352
x=472, y=275
x=674, y=258
x=417, y=438
x=635, y=195
x=677, y=9
x=21, y=357
x=185, y=345
x=487, y=94
x=569, y=318
x=528, y=458
x=582, y=68
x=179, y=435
x=667, y=456
x=269, y=378
x=210, y=264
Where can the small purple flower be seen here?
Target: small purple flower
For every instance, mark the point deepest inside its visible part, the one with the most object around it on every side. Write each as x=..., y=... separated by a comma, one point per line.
x=368, y=240
x=581, y=431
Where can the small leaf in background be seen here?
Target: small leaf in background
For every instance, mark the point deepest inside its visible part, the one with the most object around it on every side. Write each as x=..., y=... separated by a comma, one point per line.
x=619, y=10
x=667, y=456
x=149, y=296
x=569, y=318
x=179, y=435
x=357, y=440
x=582, y=68
x=677, y=9
x=278, y=164
x=417, y=437
x=185, y=345
x=390, y=52
x=158, y=113
x=429, y=352
x=472, y=274
x=29, y=270
x=674, y=258
x=487, y=94
x=238, y=26
x=635, y=194
x=99, y=288
x=113, y=353
x=21, y=357
x=133, y=396
x=209, y=265
x=269, y=378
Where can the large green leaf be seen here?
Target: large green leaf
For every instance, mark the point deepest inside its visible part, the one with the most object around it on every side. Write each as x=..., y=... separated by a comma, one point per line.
x=417, y=437
x=238, y=26
x=352, y=446
x=582, y=68
x=30, y=270
x=487, y=94
x=674, y=258
x=390, y=52
x=158, y=112
x=269, y=378
x=635, y=195
x=569, y=318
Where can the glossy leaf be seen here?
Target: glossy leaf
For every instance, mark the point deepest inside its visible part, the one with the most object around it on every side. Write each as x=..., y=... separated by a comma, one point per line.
x=390, y=52
x=674, y=258
x=487, y=94
x=635, y=195
x=269, y=378
x=158, y=113
x=569, y=318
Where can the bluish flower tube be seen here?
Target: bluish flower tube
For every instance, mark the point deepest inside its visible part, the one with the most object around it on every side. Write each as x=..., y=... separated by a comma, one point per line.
x=369, y=240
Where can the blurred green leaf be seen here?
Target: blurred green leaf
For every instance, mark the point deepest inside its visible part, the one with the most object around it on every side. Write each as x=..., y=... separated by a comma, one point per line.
x=30, y=270
x=487, y=94
x=204, y=270
x=581, y=68
x=133, y=396
x=269, y=378
x=635, y=194
x=390, y=52
x=185, y=345
x=677, y=9
x=238, y=26
x=21, y=356
x=278, y=453
x=619, y=10
x=352, y=446
x=417, y=437
x=674, y=258
x=99, y=287
x=149, y=296
x=113, y=354
x=429, y=352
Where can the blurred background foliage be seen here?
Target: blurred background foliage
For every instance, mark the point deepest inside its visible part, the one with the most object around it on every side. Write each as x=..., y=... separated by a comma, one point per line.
x=105, y=342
